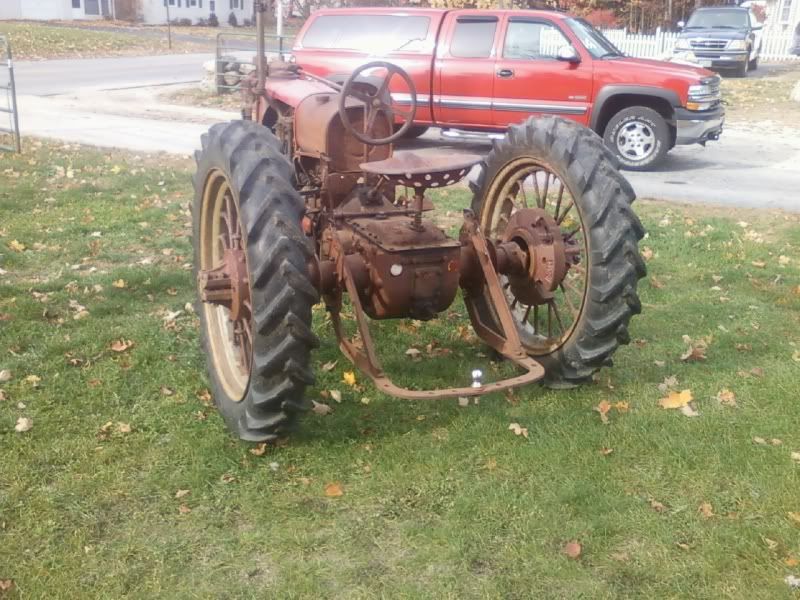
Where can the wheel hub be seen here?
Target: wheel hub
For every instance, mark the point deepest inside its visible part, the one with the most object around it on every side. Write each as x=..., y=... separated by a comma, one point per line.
x=540, y=237
x=227, y=285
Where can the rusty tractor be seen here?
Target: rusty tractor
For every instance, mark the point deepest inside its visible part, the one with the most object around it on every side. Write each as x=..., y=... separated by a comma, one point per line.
x=305, y=199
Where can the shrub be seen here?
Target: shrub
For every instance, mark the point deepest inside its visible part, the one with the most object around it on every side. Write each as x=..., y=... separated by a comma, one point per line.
x=213, y=21
x=232, y=20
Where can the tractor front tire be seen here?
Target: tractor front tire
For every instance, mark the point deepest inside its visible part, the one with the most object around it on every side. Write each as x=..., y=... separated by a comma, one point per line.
x=577, y=157
x=261, y=404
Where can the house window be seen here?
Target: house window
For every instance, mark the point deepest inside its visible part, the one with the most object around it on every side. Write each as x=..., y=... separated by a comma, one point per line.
x=786, y=11
x=76, y=3
x=236, y=4
x=212, y=5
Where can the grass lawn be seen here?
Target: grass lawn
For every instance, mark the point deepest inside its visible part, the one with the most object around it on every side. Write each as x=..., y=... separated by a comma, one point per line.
x=763, y=95
x=127, y=485
x=38, y=41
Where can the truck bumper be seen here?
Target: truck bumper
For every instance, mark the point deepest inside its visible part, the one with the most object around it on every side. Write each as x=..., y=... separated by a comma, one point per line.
x=717, y=59
x=698, y=127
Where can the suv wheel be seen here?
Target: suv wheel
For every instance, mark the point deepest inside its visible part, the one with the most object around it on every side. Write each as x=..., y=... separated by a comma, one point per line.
x=742, y=68
x=638, y=136
x=753, y=64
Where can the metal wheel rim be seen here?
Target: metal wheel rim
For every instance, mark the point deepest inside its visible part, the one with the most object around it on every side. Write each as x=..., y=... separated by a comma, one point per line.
x=541, y=186
x=636, y=140
x=231, y=359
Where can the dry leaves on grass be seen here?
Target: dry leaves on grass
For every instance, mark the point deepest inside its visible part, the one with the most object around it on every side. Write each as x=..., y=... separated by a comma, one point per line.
x=321, y=408
x=329, y=366
x=349, y=378
x=5, y=375
x=676, y=399
x=23, y=424
x=706, y=510
x=795, y=456
x=107, y=429
x=696, y=350
x=794, y=517
x=6, y=585
x=121, y=345
x=573, y=549
x=184, y=510
x=518, y=429
x=726, y=397
x=334, y=489
x=119, y=283
x=182, y=493
x=336, y=395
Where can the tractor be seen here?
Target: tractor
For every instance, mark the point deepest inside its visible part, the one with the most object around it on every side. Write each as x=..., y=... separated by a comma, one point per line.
x=305, y=200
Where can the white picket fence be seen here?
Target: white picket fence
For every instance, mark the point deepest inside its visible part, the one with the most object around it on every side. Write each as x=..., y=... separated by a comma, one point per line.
x=775, y=45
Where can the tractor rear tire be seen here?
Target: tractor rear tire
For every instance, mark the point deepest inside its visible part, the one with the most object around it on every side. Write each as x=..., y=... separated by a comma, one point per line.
x=247, y=156
x=613, y=264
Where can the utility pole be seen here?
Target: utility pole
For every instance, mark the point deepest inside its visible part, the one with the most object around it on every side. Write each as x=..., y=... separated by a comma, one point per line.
x=169, y=25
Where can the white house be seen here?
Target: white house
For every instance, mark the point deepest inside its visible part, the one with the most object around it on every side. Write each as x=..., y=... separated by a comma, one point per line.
x=783, y=15
x=54, y=9
x=155, y=11
x=147, y=11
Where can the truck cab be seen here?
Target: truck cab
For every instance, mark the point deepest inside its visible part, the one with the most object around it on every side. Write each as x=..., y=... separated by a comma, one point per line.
x=484, y=70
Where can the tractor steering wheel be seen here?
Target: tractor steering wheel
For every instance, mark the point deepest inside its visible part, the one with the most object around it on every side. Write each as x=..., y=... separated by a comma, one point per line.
x=377, y=103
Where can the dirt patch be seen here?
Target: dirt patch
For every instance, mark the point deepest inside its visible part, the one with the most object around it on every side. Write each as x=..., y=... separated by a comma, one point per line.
x=201, y=98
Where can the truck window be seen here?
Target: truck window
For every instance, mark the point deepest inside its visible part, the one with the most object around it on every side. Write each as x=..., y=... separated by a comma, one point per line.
x=374, y=34
x=473, y=37
x=533, y=40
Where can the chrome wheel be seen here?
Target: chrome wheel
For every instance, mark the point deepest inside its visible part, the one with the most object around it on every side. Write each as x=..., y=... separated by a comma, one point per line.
x=636, y=140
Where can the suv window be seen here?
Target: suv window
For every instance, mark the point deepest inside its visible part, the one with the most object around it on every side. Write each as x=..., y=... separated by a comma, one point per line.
x=533, y=40
x=368, y=33
x=473, y=37
x=717, y=19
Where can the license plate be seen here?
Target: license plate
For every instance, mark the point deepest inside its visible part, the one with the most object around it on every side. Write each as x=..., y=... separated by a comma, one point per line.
x=704, y=63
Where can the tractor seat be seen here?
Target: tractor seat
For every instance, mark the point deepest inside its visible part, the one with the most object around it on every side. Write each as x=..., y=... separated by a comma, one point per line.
x=423, y=170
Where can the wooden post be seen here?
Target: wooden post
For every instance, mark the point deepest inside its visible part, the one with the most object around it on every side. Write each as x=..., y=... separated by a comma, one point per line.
x=169, y=25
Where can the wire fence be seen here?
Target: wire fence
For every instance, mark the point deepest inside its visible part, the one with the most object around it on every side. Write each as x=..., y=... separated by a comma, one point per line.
x=775, y=45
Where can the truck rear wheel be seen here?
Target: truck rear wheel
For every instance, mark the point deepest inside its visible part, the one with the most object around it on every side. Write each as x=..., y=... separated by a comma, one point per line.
x=563, y=169
x=250, y=258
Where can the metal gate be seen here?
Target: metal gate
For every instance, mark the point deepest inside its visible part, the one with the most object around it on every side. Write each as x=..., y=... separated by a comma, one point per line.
x=235, y=49
x=8, y=101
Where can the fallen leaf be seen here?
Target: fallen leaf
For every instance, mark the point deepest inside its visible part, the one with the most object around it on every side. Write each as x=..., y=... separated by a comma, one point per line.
x=696, y=350
x=776, y=442
x=668, y=384
x=413, y=353
x=656, y=505
x=349, y=378
x=124, y=428
x=689, y=411
x=23, y=424
x=759, y=264
x=259, y=450
x=16, y=246
x=795, y=456
x=228, y=478
x=33, y=380
x=659, y=363
x=121, y=345
x=757, y=372
x=656, y=283
x=603, y=409
x=726, y=397
x=794, y=516
x=683, y=545
x=184, y=510
x=706, y=510
x=6, y=585
x=321, y=408
x=334, y=489
x=182, y=493
x=5, y=375
x=518, y=429
x=463, y=401
x=573, y=549
x=329, y=366
x=606, y=451
x=759, y=441
x=165, y=391
x=792, y=581
x=676, y=399
x=622, y=407
x=791, y=561
x=336, y=395
x=647, y=253
x=365, y=400
x=119, y=283
x=771, y=544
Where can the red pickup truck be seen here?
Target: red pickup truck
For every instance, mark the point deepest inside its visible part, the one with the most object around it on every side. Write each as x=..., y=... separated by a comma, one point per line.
x=482, y=70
